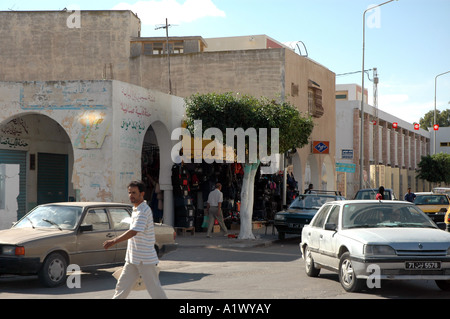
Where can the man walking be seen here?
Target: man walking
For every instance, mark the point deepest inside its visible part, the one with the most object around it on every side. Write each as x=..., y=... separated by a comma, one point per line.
x=410, y=196
x=214, y=208
x=141, y=258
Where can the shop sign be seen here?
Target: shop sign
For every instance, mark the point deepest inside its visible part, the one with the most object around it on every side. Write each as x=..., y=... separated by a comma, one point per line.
x=347, y=153
x=345, y=167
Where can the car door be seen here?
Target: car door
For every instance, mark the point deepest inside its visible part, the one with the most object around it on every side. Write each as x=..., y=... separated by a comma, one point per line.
x=121, y=219
x=327, y=239
x=314, y=232
x=90, y=249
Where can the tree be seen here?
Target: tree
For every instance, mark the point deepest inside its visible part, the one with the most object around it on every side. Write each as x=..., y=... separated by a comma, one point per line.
x=435, y=168
x=233, y=111
x=442, y=118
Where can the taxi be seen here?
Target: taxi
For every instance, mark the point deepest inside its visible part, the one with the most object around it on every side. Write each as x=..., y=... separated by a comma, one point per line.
x=434, y=205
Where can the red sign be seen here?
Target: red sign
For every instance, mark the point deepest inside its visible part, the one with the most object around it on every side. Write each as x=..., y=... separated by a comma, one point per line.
x=416, y=126
x=436, y=127
x=321, y=147
x=394, y=125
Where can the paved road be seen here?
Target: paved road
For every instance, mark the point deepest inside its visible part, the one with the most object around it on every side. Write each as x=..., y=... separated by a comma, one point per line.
x=273, y=271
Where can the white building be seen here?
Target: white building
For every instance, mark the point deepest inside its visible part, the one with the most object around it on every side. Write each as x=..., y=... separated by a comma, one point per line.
x=392, y=147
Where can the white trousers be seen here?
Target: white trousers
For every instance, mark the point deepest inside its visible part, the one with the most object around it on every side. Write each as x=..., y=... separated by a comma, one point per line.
x=130, y=275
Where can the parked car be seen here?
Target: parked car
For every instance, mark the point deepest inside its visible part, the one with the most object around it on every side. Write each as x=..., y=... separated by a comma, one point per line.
x=434, y=205
x=371, y=193
x=302, y=210
x=52, y=236
x=355, y=237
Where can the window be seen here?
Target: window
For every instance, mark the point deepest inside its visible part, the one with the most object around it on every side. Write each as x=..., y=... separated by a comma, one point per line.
x=333, y=218
x=321, y=215
x=121, y=218
x=315, y=107
x=445, y=144
x=294, y=89
x=97, y=218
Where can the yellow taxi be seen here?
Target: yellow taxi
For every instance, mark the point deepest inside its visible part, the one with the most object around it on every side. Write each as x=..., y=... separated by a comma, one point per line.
x=434, y=205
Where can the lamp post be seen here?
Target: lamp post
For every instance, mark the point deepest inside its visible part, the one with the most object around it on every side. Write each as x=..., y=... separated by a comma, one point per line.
x=361, y=134
x=434, y=121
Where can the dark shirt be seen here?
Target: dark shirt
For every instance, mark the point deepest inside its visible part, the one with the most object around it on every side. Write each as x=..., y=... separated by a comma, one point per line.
x=410, y=197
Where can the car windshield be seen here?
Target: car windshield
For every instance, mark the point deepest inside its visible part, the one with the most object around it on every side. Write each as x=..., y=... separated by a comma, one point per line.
x=311, y=201
x=52, y=216
x=365, y=215
x=431, y=200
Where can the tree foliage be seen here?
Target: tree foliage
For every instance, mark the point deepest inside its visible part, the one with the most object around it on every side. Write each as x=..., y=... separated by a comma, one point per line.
x=435, y=168
x=442, y=118
x=230, y=110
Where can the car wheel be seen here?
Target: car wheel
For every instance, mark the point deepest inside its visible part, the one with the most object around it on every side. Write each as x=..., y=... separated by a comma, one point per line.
x=54, y=270
x=281, y=236
x=347, y=276
x=311, y=270
x=443, y=284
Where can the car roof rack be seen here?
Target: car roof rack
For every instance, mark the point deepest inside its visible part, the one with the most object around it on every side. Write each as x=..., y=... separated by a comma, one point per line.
x=319, y=191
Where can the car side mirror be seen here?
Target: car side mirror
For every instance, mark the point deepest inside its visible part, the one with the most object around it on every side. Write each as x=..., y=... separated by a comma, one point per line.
x=84, y=228
x=330, y=226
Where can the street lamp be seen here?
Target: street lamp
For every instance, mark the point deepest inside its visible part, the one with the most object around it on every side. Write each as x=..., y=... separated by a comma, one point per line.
x=361, y=142
x=434, y=122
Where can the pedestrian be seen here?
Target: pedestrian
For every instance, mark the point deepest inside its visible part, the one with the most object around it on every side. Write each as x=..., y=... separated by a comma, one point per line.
x=410, y=196
x=141, y=258
x=214, y=209
x=309, y=190
x=380, y=194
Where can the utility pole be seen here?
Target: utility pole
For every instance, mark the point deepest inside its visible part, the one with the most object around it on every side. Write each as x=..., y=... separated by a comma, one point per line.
x=166, y=26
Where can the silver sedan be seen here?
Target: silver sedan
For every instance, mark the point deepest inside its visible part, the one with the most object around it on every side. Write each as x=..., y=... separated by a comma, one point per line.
x=369, y=241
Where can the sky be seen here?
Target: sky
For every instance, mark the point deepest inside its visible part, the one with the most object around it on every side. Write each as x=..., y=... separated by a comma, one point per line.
x=408, y=41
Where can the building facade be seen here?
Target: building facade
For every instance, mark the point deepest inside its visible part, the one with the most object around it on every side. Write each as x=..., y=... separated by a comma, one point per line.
x=74, y=125
x=392, y=147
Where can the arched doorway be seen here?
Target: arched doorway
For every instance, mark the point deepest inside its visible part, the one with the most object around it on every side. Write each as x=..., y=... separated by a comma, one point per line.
x=156, y=171
x=43, y=151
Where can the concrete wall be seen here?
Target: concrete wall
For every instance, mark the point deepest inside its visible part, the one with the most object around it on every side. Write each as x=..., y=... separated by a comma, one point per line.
x=255, y=72
x=46, y=45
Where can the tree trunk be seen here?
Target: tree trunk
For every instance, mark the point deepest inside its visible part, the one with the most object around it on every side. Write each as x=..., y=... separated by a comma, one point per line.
x=247, y=199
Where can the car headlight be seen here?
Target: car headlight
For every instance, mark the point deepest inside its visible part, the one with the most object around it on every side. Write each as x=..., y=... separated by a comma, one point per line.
x=378, y=250
x=13, y=250
x=280, y=217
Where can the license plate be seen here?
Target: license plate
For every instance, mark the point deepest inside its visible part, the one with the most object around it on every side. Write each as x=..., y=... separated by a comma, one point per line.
x=423, y=265
x=295, y=225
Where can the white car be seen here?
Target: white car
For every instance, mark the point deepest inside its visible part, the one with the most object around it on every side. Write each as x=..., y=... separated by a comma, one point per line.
x=369, y=241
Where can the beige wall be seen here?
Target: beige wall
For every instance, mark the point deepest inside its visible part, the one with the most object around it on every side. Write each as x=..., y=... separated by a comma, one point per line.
x=299, y=70
x=255, y=72
x=40, y=45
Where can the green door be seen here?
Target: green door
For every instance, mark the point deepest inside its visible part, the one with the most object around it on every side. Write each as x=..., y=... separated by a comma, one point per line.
x=53, y=176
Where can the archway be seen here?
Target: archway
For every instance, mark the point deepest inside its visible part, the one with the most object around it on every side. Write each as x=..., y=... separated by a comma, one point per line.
x=44, y=153
x=156, y=171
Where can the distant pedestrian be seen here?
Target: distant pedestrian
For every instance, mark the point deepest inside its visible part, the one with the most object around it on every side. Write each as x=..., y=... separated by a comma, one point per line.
x=214, y=208
x=410, y=196
x=309, y=190
x=380, y=194
x=141, y=258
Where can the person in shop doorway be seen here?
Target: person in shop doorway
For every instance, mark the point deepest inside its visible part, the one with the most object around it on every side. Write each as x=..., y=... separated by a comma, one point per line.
x=410, y=196
x=141, y=258
x=214, y=209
